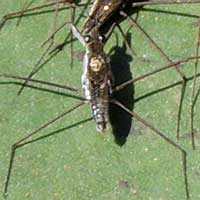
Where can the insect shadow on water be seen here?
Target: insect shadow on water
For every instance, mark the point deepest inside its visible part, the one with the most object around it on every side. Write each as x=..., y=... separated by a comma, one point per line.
x=117, y=50
x=120, y=120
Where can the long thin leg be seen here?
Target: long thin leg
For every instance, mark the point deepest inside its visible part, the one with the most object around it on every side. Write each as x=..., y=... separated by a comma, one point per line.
x=54, y=33
x=52, y=53
x=55, y=30
x=134, y=23
x=24, y=12
x=51, y=39
x=183, y=87
x=184, y=79
x=128, y=45
x=172, y=65
x=73, y=10
x=126, y=42
x=163, y=136
x=22, y=141
x=25, y=7
x=193, y=91
x=40, y=82
x=154, y=2
x=35, y=69
x=175, y=13
x=20, y=14
x=167, y=87
x=55, y=20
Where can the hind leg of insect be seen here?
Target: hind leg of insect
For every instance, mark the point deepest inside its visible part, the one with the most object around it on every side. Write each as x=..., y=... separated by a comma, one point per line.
x=188, y=78
x=169, y=60
x=195, y=94
x=28, y=138
x=184, y=79
x=172, y=65
x=24, y=141
x=32, y=11
x=162, y=135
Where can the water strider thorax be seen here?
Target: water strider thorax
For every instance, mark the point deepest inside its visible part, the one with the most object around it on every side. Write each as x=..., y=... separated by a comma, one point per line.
x=96, y=79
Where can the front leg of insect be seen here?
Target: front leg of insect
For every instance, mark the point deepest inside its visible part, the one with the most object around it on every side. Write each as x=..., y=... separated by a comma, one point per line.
x=96, y=78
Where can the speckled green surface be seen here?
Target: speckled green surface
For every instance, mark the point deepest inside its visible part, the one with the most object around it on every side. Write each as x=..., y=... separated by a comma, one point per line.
x=78, y=163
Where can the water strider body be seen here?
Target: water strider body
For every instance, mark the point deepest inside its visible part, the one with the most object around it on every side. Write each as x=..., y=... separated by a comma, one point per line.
x=97, y=77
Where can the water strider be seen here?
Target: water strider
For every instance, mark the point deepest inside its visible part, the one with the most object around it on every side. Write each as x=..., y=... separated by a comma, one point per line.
x=103, y=83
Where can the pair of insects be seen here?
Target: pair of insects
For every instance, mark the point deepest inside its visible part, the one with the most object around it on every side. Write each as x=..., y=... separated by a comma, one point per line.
x=144, y=63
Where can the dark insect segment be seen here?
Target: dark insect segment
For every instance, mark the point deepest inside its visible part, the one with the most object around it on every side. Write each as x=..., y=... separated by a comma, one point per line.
x=98, y=83
x=96, y=78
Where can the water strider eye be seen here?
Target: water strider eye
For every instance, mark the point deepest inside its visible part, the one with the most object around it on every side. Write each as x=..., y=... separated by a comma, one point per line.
x=87, y=38
x=102, y=38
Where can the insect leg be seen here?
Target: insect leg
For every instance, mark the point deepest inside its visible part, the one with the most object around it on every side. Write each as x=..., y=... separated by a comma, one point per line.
x=135, y=24
x=172, y=65
x=194, y=97
x=25, y=7
x=157, y=2
x=23, y=12
x=163, y=136
x=126, y=42
x=23, y=141
x=40, y=82
x=57, y=48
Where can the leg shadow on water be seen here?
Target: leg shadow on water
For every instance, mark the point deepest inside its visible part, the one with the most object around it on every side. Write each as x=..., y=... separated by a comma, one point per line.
x=120, y=120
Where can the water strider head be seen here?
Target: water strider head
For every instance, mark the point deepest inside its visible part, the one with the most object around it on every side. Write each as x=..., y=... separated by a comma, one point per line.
x=96, y=78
